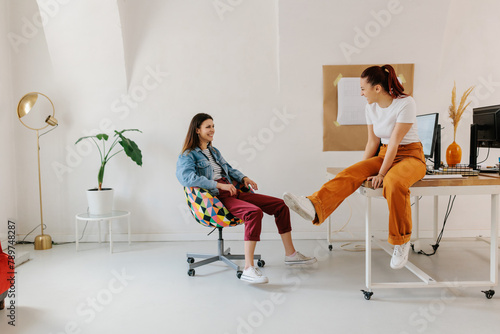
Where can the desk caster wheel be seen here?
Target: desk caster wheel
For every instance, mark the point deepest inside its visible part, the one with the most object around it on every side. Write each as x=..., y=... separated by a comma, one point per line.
x=489, y=293
x=261, y=263
x=190, y=260
x=239, y=273
x=330, y=247
x=191, y=272
x=368, y=294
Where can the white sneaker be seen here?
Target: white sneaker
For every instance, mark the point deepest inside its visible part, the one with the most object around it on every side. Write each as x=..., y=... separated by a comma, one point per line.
x=400, y=256
x=299, y=258
x=302, y=205
x=253, y=275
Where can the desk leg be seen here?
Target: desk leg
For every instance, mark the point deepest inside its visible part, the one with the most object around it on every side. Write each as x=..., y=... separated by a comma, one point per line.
x=494, y=240
x=110, y=223
x=76, y=233
x=417, y=216
x=329, y=232
x=368, y=252
x=128, y=222
x=436, y=203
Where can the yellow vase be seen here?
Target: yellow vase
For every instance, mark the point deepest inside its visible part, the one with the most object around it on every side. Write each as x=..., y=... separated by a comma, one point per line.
x=453, y=154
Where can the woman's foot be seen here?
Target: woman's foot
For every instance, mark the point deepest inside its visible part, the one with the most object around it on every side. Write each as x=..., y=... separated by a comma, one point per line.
x=301, y=205
x=298, y=258
x=400, y=256
x=253, y=275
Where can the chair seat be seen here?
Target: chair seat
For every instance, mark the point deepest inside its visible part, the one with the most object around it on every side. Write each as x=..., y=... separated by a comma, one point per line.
x=208, y=210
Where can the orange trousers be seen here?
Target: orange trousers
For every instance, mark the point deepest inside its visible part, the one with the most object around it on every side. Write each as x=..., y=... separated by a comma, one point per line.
x=408, y=167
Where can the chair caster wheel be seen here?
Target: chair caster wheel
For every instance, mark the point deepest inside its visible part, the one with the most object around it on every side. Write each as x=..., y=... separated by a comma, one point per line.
x=190, y=260
x=489, y=293
x=239, y=273
x=368, y=294
x=261, y=263
x=191, y=272
x=330, y=247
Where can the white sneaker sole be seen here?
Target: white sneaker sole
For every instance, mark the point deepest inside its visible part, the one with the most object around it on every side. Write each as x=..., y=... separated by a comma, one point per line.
x=293, y=205
x=252, y=280
x=402, y=265
x=294, y=263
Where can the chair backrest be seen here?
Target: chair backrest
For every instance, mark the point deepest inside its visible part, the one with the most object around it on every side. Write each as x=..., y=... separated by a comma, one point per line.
x=208, y=210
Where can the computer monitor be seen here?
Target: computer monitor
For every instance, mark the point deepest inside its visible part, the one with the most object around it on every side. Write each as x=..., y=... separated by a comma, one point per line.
x=484, y=131
x=428, y=132
x=487, y=120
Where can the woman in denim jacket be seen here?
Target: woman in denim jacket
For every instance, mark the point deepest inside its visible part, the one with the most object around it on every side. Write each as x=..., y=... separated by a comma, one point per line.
x=202, y=165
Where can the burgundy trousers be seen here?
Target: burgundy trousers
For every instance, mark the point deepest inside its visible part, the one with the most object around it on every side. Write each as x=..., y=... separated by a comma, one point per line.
x=250, y=207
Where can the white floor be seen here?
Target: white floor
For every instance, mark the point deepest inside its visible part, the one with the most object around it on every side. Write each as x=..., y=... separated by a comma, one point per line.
x=144, y=288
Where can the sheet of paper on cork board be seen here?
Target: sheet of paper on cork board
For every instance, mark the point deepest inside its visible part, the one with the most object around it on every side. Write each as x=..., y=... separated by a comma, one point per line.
x=337, y=136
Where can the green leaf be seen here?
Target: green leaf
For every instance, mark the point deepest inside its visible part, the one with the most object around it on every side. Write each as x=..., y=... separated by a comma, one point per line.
x=131, y=149
x=79, y=140
x=102, y=136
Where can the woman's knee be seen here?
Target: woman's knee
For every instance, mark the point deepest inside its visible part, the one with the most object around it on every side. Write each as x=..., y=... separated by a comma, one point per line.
x=254, y=214
x=393, y=184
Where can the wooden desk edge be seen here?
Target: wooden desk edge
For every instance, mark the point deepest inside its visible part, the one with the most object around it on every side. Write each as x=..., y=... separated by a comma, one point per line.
x=480, y=180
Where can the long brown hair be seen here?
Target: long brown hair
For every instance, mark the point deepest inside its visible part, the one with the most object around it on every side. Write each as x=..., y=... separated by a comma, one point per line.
x=192, y=140
x=386, y=77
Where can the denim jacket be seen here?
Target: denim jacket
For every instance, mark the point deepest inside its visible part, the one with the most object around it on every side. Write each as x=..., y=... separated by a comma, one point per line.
x=194, y=170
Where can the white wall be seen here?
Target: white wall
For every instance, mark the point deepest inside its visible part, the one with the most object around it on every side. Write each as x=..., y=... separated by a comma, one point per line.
x=7, y=119
x=249, y=64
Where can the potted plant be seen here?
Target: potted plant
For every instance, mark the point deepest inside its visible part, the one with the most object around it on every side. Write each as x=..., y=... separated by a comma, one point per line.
x=454, y=151
x=101, y=199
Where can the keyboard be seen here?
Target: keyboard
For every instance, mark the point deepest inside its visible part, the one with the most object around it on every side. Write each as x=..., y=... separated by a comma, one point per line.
x=465, y=171
x=489, y=170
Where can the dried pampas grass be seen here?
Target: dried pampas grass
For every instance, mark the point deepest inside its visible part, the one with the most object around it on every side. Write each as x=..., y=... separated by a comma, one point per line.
x=454, y=112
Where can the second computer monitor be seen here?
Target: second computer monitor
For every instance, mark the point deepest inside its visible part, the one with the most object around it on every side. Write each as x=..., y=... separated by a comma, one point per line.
x=427, y=131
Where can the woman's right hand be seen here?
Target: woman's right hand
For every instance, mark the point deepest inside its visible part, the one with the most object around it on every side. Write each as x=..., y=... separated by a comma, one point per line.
x=227, y=187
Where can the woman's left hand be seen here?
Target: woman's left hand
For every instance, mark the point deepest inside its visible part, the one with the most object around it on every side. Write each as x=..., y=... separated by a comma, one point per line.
x=248, y=182
x=377, y=181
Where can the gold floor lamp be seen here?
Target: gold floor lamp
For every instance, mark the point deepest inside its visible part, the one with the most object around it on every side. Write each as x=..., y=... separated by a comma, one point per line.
x=26, y=105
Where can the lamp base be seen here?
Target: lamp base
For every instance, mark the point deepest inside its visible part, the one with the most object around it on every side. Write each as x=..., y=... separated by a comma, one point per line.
x=43, y=241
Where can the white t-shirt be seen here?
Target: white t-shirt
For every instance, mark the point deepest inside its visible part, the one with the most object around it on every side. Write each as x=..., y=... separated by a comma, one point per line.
x=401, y=110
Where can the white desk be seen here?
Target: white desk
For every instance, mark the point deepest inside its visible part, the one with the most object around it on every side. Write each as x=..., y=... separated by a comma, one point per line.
x=478, y=185
x=115, y=214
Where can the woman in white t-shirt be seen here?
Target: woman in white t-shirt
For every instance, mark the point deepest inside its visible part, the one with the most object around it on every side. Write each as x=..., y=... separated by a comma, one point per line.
x=391, y=118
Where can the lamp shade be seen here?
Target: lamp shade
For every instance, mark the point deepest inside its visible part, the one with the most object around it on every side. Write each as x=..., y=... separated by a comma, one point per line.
x=51, y=120
x=39, y=108
x=26, y=104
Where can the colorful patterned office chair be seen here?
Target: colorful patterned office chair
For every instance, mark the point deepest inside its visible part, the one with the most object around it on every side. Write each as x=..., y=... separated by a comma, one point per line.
x=209, y=211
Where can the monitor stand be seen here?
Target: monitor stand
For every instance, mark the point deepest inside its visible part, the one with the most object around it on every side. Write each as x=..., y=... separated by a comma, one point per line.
x=473, y=147
x=437, y=148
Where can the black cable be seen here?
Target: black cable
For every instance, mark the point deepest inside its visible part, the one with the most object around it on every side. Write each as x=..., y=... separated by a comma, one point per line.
x=22, y=242
x=419, y=197
x=440, y=236
x=487, y=155
x=72, y=242
x=83, y=232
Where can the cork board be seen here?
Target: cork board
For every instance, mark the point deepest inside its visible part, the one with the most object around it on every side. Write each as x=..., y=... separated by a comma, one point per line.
x=350, y=137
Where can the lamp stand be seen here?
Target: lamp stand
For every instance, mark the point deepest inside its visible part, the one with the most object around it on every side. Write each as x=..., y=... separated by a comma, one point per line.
x=42, y=241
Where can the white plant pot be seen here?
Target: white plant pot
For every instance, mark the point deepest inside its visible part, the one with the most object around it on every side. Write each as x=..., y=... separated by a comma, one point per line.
x=100, y=201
